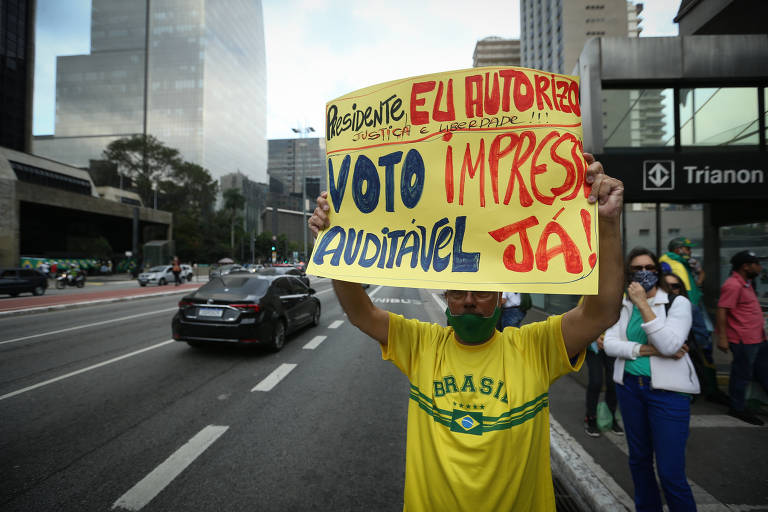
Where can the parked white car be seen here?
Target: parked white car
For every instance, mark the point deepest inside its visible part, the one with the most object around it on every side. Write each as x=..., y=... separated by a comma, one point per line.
x=160, y=275
x=187, y=274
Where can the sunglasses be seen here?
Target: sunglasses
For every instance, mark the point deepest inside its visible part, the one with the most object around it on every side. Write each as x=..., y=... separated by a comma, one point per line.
x=457, y=295
x=638, y=268
x=675, y=286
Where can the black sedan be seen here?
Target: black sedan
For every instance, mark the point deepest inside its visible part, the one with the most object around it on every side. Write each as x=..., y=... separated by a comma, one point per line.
x=14, y=281
x=246, y=308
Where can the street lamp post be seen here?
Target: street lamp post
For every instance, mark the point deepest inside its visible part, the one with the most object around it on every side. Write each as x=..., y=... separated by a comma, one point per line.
x=303, y=131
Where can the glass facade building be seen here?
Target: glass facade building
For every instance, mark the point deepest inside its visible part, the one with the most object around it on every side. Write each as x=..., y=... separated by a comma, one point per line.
x=288, y=160
x=17, y=64
x=201, y=89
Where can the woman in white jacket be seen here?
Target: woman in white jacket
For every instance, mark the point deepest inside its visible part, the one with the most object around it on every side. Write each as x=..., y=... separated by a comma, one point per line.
x=655, y=378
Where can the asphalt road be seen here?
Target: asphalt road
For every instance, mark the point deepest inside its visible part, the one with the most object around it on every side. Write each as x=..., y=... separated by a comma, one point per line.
x=101, y=410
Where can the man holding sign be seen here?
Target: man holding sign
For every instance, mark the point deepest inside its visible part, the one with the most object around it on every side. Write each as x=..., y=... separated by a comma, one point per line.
x=478, y=421
x=473, y=181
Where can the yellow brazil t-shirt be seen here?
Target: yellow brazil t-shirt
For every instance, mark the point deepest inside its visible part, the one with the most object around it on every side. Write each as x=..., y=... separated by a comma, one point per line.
x=478, y=417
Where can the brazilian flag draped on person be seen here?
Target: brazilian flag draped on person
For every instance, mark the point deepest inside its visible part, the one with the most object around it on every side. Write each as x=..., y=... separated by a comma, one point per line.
x=679, y=265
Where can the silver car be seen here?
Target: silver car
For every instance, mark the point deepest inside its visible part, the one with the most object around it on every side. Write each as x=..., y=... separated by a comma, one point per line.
x=160, y=275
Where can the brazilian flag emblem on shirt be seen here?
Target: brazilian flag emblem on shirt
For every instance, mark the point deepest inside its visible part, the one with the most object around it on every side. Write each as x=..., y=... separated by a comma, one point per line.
x=467, y=422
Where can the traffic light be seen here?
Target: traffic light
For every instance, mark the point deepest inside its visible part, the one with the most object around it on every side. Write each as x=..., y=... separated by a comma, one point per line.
x=273, y=247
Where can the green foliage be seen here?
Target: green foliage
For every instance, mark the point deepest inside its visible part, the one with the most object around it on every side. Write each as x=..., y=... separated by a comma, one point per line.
x=144, y=160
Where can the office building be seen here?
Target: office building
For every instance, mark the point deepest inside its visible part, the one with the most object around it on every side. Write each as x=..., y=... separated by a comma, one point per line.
x=289, y=160
x=496, y=51
x=255, y=195
x=553, y=32
x=17, y=68
x=189, y=72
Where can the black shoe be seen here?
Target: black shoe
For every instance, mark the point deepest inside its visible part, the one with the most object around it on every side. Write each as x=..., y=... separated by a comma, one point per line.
x=718, y=397
x=616, y=429
x=590, y=427
x=746, y=416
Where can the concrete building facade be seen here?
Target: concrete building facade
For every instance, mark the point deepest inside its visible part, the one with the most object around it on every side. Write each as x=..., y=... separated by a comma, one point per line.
x=553, y=32
x=190, y=72
x=50, y=209
x=496, y=51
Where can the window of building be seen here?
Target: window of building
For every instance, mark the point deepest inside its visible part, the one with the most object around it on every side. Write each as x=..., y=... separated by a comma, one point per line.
x=638, y=117
x=718, y=116
x=765, y=107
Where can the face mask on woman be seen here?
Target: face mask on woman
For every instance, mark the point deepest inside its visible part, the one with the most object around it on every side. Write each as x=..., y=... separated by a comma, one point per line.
x=646, y=278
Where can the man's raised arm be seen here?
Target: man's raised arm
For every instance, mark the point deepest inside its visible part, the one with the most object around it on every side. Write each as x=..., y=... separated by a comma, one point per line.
x=596, y=313
x=370, y=319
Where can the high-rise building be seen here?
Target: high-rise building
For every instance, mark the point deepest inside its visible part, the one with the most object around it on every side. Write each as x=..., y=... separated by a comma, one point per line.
x=553, y=32
x=255, y=195
x=289, y=159
x=496, y=51
x=192, y=73
x=17, y=68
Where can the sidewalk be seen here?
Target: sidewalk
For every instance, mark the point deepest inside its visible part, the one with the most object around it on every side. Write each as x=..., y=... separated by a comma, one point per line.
x=727, y=459
x=25, y=304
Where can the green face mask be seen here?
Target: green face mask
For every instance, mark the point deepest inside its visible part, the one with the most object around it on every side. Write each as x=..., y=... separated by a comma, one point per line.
x=473, y=328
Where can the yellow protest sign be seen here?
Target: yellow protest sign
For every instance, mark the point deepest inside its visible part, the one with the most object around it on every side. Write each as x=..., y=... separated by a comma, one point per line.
x=470, y=179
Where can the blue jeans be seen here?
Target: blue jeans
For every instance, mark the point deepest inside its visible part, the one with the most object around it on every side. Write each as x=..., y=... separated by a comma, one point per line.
x=749, y=361
x=511, y=317
x=656, y=423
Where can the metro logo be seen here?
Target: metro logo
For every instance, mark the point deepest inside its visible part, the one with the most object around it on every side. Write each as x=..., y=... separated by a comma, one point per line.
x=658, y=175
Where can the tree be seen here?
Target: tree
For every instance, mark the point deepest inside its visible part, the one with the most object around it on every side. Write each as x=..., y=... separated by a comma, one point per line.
x=190, y=188
x=143, y=159
x=233, y=203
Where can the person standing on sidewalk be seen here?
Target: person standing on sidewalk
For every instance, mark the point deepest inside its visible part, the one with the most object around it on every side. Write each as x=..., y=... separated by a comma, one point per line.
x=678, y=261
x=176, y=269
x=600, y=368
x=740, y=329
x=513, y=308
x=655, y=378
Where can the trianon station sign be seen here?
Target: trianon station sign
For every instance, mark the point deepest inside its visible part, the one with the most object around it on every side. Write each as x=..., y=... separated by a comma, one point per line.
x=699, y=176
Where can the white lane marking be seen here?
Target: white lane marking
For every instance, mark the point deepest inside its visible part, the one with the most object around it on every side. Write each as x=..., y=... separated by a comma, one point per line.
x=314, y=342
x=103, y=322
x=439, y=301
x=335, y=324
x=83, y=370
x=273, y=378
x=152, y=484
x=375, y=290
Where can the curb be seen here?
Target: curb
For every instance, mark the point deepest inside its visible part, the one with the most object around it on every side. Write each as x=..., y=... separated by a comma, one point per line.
x=59, y=307
x=587, y=482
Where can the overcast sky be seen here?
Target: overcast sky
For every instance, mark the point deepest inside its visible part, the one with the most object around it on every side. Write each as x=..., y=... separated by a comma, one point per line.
x=318, y=50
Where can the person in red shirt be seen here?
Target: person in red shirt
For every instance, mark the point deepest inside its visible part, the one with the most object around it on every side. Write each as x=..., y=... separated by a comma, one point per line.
x=740, y=327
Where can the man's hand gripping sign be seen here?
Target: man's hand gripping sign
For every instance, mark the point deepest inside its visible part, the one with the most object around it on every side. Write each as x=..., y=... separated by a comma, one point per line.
x=470, y=179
